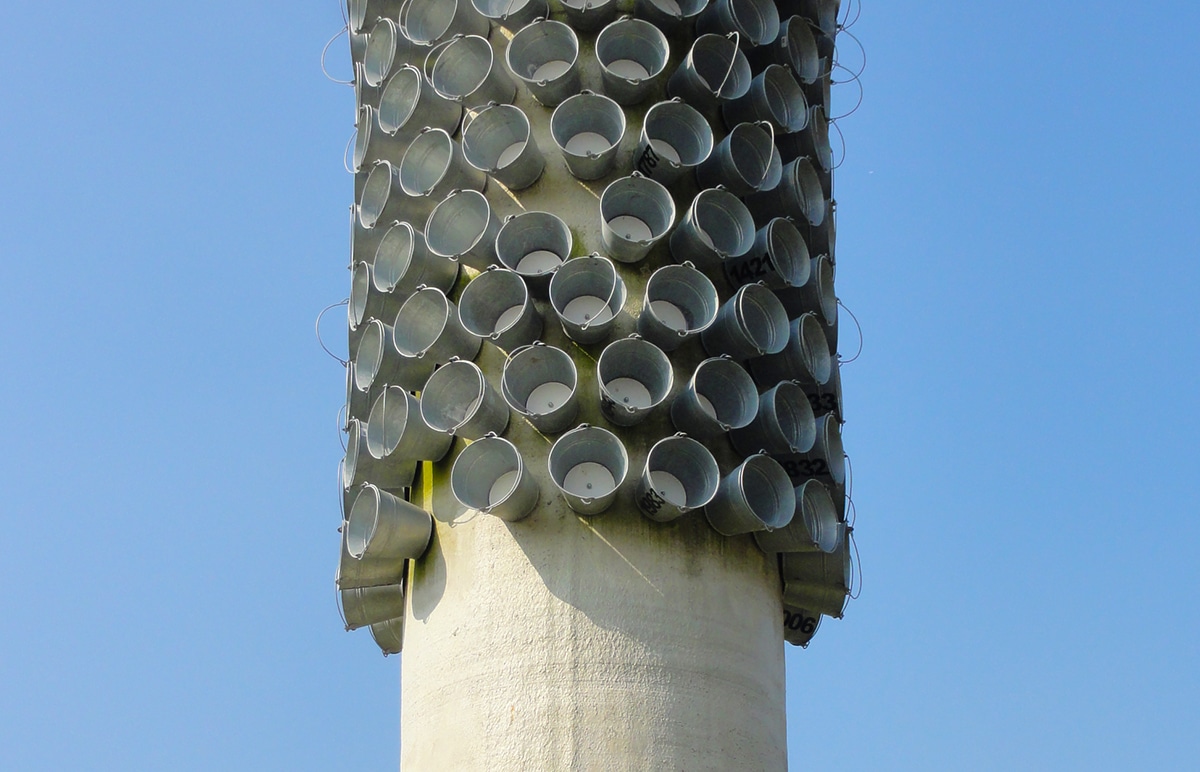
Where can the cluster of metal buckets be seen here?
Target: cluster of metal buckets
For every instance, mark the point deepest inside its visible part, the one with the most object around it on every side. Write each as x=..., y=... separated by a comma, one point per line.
x=607, y=224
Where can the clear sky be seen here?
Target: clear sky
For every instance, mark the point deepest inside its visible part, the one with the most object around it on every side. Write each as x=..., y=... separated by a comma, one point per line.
x=1017, y=235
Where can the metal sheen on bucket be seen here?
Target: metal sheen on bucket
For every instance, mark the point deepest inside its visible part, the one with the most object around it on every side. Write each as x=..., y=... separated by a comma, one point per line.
x=756, y=496
x=635, y=214
x=680, y=303
x=498, y=141
x=587, y=293
x=490, y=476
x=386, y=527
x=779, y=258
x=680, y=475
x=750, y=324
x=815, y=526
x=496, y=305
x=783, y=424
x=403, y=263
x=633, y=56
x=534, y=245
x=719, y=396
x=675, y=138
x=458, y=400
x=588, y=465
x=545, y=57
x=634, y=377
x=540, y=382
x=587, y=129
x=396, y=431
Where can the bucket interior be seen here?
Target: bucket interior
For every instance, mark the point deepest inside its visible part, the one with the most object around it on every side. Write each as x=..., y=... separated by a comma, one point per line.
x=381, y=51
x=394, y=256
x=399, y=99
x=426, y=162
x=452, y=395
x=785, y=98
x=763, y=318
x=485, y=473
x=728, y=390
x=542, y=51
x=820, y=516
x=788, y=252
x=376, y=191
x=634, y=373
x=362, y=521
x=493, y=302
x=458, y=223
x=533, y=243
x=814, y=348
x=768, y=491
x=420, y=321
x=750, y=148
x=794, y=415
x=724, y=222
x=388, y=420
x=632, y=50
x=587, y=125
x=588, y=463
x=678, y=133
x=539, y=380
x=637, y=209
x=682, y=298
x=496, y=138
x=369, y=355
x=462, y=67
x=683, y=472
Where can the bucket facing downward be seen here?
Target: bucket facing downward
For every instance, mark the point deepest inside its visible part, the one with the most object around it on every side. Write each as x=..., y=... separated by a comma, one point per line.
x=490, y=476
x=588, y=465
x=680, y=475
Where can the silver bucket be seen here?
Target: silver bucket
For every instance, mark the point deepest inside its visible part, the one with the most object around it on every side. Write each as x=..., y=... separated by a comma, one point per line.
x=587, y=129
x=795, y=47
x=775, y=96
x=670, y=16
x=534, y=245
x=816, y=295
x=680, y=475
x=364, y=572
x=397, y=432
x=427, y=22
x=805, y=359
x=714, y=69
x=466, y=71
x=409, y=104
x=750, y=324
x=741, y=162
x=817, y=581
x=363, y=606
x=816, y=599
x=586, y=294
x=512, y=14
x=634, y=377
x=814, y=527
x=757, y=496
x=360, y=467
x=784, y=423
x=458, y=400
x=779, y=258
x=680, y=303
x=463, y=227
x=498, y=141
x=371, y=142
x=755, y=21
x=403, y=263
x=368, y=301
x=799, y=195
x=433, y=167
x=427, y=333
x=812, y=142
x=719, y=397
x=496, y=305
x=588, y=465
x=633, y=57
x=382, y=199
x=540, y=382
x=378, y=363
x=675, y=138
x=716, y=227
x=382, y=526
x=363, y=240
x=384, y=42
x=588, y=15
x=545, y=57
x=826, y=460
x=635, y=214
x=490, y=476
x=389, y=635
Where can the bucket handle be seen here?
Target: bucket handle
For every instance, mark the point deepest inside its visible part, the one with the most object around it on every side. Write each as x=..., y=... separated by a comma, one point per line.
x=612, y=291
x=732, y=61
x=430, y=62
x=475, y=403
x=739, y=311
x=326, y=309
x=324, y=51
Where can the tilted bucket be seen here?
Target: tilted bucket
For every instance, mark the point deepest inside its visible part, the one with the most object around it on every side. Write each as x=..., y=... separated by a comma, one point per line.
x=756, y=496
x=826, y=460
x=427, y=22
x=463, y=227
x=713, y=70
x=512, y=14
x=633, y=57
x=755, y=21
x=815, y=526
x=827, y=397
x=367, y=301
x=817, y=581
x=409, y=104
x=466, y=71
x=750, y=324
x=496, y=305
x=586, y=294
x=363, y=240
x=680, y=475
x=371, y=142
x=545, y=57
x=403, y=263
x=534, y=245
x=634, y=377
x=396, y=431
x=589, y=15
x=587, y=129
x=779, y=258
x=432, y=168
x=635, y=214
x=498, y=141
x=816, y=295
x=382, y=199
x=540, y=382
x=719, y=396
x=358, y=403
x=383, y=43
x=588, y=465
x=361, y=467
x=680, y=303
x=458, y=400
x=824, y=12
x=717, y=226
x=389, y=635
x=670, y=16
x=806, y=358
x=783, y=424
x=377, y=362
x=490, y=476
x=775, y=96
x=386, y=527
x=675, y=138
x=428, y=333
x=366, y=571
x=812, y=142
x=741, y=161
x=362, y=606
x=795, y=47
x=799, y=196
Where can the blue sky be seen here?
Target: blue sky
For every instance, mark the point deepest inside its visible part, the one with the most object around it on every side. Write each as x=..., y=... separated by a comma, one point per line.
x=1016, y=236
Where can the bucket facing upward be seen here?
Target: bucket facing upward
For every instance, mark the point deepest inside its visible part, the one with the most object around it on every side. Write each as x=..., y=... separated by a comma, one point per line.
x=635, y=214
x=633, y=56
x=587, y=293
x=534, y=245
x=680, y=303
x=496, y=305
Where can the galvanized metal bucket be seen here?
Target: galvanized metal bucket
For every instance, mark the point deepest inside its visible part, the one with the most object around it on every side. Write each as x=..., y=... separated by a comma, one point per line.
x=490, y=476
x=826, y=460
x=383, y=43
x=366, y=300
x=816, y=295
x=366, y=571
x=714, y=69
x=634, y=377
x=409, y=104
x=428, y=22
x=545, y=57
x=382, y=199
x=378, y=363
x=818, y=581
x=717, y=226
x=389, y=635
x=363, y=606
x=795, y=47
x=534, y=245
x=464, y=227
x=433, y=167
x=587, y=129
x=371, y=142
x=499, y=141
x=466, y=71
x=805, y=359
x=741, y=162
x=750, y=324
x=403, y=263
x=512, y=14
x=360, y=467
x=496, y=305
x=428, y=333
x=382, y=526
x=363, y=240
x=779, y=258
x=783, y=424
x=812, y=142
x=541, y=383
x=633, y=58
x=756, y=496
x=586, y=294
x=775, y=96
x=680, y=475
x=458, y=400
x=799, y=195
x=588, y=465
x=589, y=15
x=719, y=396
x=675, y=138
x=397, y=432
x=815, y=526
x=680, y=303
x=755, y=21
x=635, y=214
